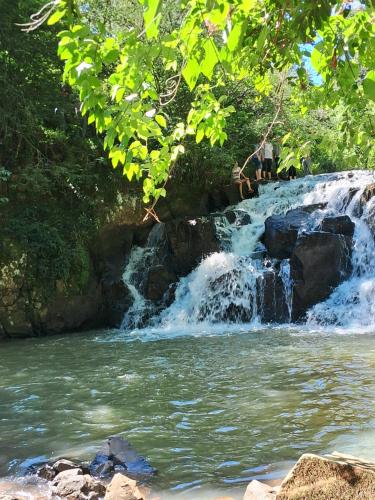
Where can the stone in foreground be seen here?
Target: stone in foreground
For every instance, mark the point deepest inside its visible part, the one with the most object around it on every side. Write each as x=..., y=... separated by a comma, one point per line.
x=331, y=477
x=124, y=488
x=260, y=491
x=74, y=485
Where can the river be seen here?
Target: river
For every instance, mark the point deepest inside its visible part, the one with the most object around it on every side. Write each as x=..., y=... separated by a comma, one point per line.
x=212, y=410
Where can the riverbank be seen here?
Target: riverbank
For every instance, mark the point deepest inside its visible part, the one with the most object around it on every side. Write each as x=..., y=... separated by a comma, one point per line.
x=313, y=477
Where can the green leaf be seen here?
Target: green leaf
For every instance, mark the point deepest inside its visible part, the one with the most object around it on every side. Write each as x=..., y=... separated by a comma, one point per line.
x=56, y=16
x=369, y=85
x=161, y=120
x=236, y=35
x=210, y=59
x=152, y=18
x=262, y=38
x=200, y=133
x=191, y=72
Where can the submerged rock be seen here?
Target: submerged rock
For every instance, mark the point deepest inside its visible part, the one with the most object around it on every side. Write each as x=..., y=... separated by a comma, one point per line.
x=116, y=453
x=333, y=477
x=319, y=263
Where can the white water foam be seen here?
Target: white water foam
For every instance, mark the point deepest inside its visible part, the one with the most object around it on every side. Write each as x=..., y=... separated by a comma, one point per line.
x=223, y=287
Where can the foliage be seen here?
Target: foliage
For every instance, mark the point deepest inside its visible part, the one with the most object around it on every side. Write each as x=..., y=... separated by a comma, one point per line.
x=55, y=186
x=128, y=78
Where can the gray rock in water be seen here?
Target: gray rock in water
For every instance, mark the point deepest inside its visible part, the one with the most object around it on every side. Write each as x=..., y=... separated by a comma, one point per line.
x=320, y=262
x=118, y=454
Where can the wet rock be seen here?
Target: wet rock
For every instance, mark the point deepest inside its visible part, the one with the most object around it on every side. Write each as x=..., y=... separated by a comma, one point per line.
x=366, y=196
x=272, y=301
x=117, y=300
x=238, y=217
x=158, y=281
x=319, y=263
x=333, y=477
x=63, y=464
x=341, y=224
x=123, y=488
x=46, y=472
x=77, y=486
x=281, y=232
x=189, y=241
x=116, y=452
x=260, y=491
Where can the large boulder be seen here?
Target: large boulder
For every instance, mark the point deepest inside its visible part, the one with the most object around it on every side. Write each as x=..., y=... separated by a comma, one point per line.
x=339, y=224
x=333, y=477
x=189, y=241
x=319, y=263
x=118, y=453
x=281, y=231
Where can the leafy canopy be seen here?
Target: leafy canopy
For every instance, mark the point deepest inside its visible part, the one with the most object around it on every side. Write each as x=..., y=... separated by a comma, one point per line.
x=127, y=76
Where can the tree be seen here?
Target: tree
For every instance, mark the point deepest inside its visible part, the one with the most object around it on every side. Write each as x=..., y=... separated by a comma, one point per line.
x=129, y=73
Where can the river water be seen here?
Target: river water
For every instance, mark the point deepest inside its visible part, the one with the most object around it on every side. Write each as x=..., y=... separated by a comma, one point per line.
x=212, y=410
x=210, y=402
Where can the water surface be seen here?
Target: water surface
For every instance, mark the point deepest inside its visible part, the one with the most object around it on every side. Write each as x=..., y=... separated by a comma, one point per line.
x=209, y=411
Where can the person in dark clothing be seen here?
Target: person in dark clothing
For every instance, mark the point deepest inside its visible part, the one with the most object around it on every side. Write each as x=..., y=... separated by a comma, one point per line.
x=292, y=172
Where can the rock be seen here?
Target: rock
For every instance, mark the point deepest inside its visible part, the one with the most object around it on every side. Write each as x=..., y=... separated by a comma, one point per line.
x=63, y=464
x=319, y=263
x=271, y=298
x=159, y=279
x=189, y=241
x=333, y=477
x=117, y=452
x=117, y=300
x=260, y=491
x=238, y=217
x=46, y=472
x=341, y=224
x=281, y=232
x=77, y=486
x=366, y=196
x=124, y=488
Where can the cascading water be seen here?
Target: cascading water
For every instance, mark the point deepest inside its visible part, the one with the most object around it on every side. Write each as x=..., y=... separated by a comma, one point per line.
x=227, y=286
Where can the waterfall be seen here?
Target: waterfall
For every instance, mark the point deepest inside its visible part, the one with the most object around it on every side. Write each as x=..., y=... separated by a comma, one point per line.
x=229, y=286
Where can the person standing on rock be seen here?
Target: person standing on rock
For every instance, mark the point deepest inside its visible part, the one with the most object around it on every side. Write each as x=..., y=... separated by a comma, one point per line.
x=258, y=160
x=239, y=178
x=305, y=164
x=267, y=163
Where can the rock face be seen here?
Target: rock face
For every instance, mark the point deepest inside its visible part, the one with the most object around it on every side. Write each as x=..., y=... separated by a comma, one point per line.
x=271, y=296
x=124, y=488
x=117, y=453
x=319, y=263
x=335, y=477
x=189, y=241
